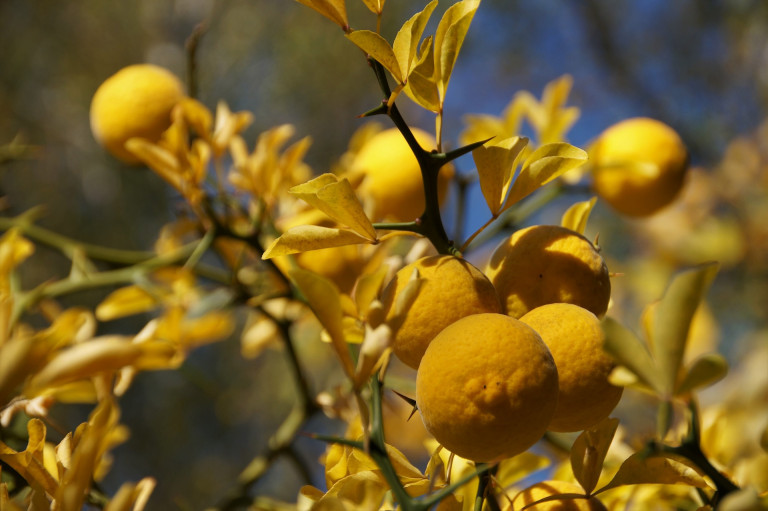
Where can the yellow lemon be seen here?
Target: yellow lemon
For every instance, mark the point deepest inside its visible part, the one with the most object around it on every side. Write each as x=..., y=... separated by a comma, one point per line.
x=548, y=488
x=134, y=102
x=549, y=264
x=575, y=339
x=392, y=176
x=487, y=387
x=639, y=166
x=450, y=288
x=342, y=265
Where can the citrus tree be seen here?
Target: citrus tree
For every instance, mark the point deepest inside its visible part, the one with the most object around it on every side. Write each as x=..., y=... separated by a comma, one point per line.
x=515, y=359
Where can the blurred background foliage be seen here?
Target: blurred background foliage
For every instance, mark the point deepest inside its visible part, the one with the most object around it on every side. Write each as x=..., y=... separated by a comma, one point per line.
x=699, y=65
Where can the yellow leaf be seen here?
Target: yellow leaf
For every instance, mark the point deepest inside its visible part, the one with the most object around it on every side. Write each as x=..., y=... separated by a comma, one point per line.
x=407, y=39
x=259, y=334
x=375, y=343
x=671, y=317
x=13, y=250
x=589, y=450
x=305, y=238
x=496, y=162
x=449, y=38
x=337, y=199
x=575, y=218
x=30, y=463
x=376, y=6
x=513, y=469
x=126, y=301
x=334, y=10
x=630, y=352
x=542, y=166
x=324, y=299
x=84, y=360
x=379, y=49
x=132, y=497
x=704, y=371
x=368, y=288
x=197, y=116
x=421, y=86
x=642, y=468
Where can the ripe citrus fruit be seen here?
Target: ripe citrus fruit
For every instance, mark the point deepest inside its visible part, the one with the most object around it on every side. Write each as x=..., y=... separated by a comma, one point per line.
x=639, y=166
x=134, y=102
x=392, y=179
x=549, y=264
x=575, y=339
x=487, y=387
x=450, y=289
x=548, y=488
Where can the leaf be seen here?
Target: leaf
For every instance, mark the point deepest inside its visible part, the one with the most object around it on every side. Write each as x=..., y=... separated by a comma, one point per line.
x=449, y=38
x=375, y=6
x=496, y=164
x=406, y=42
x=642, y=468
x=670, y=321
x=305, y=238
x=630, y=352
x=29, y=463
x=336, y=199
x=372, y=349
x=334, y=10
x=126, y=301
x=421, y=86
x=589, y=450
x=704, y=371
x=575, y=218
x=324, y=299
x=368, y=288
x=542, y=166
x=379, y=49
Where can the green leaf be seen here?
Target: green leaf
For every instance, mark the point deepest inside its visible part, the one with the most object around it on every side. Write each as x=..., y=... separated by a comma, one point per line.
x=449, y=37
x=575, y=218
x=324, y=299
x=704, y=371
x=630, y=352
x=496, y=164
x=305, y=238
x=671, y=320
x=406, y=42
x=379, y=49
x=642, y=468
x=542, y=166
x=589, y=450
x=334, y=10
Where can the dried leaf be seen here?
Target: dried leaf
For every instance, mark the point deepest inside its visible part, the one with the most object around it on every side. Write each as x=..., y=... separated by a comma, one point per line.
x=575, y=218
x=542, y=166
x=379, y=49
x=670, y=321
x=324, y=299
x=630, y=352
x=496, y=162
x=305, y=238
x=589, y=450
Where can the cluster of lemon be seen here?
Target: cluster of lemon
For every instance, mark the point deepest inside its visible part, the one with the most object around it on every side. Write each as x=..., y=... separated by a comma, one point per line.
x=502, y=355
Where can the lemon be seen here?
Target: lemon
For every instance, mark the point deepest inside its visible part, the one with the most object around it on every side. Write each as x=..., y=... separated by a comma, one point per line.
x=548, y=488
x=639, y=166
x=487, y=387
x=134, y=102
x=450, y=289
x=575, y=339
x=392, y=176
x=549, y=264
x=342, y=265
